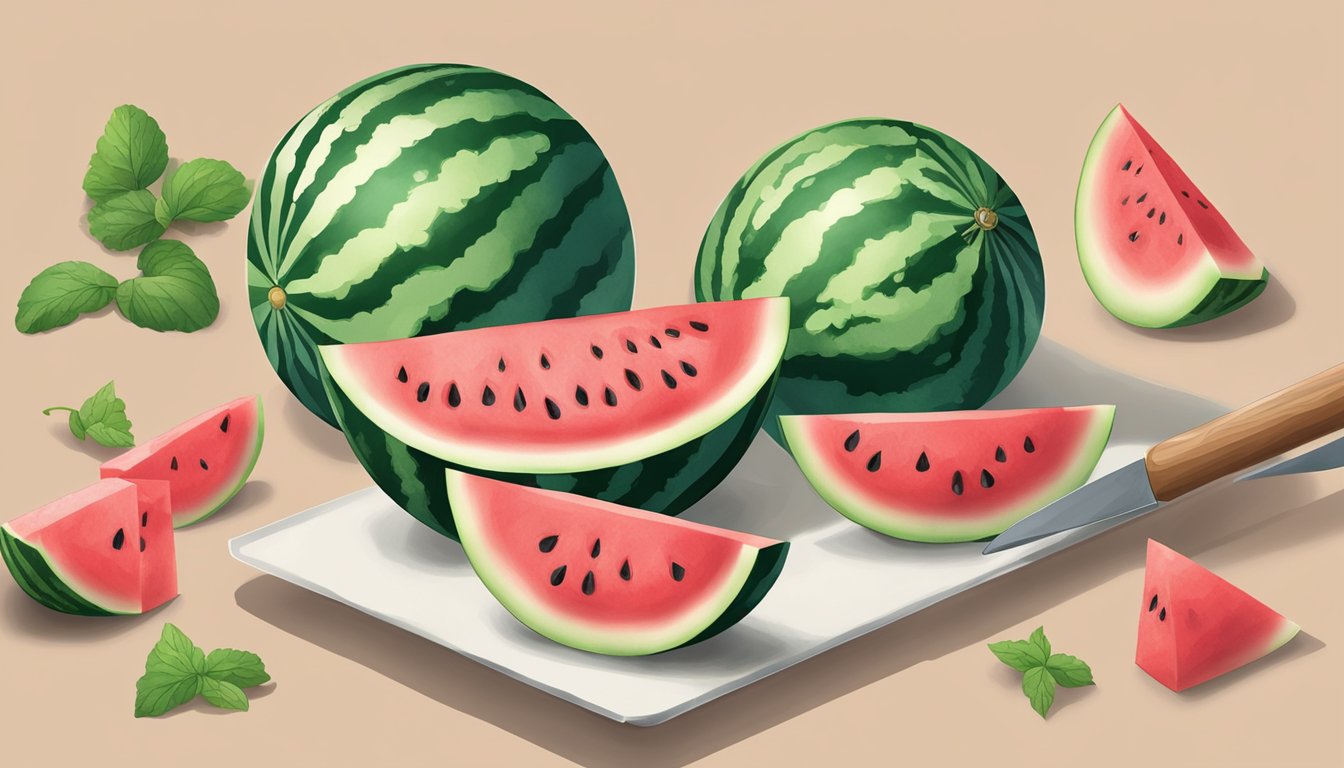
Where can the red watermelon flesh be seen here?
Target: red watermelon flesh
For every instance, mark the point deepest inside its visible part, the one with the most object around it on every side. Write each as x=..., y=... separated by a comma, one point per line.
x=205, y=460
x=606, y=578
x=158, y=549
x=1195, y=626
x=951, y=476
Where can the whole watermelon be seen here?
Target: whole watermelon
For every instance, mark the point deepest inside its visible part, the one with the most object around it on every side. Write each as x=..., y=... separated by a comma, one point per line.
x=430, y=198
x=915, y=279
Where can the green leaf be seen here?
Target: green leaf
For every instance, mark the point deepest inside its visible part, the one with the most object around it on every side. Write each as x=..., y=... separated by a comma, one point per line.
x=1039, y=640
x=125, y=221
x=62, y=292
x=176, y=654
x=174, y=674
x=77, y=426
x=1039, y=687
x=174, y=293
x=1069, y=671
x=241, y=668
x=203, y=190
x=1018, y=654
x=103, y=416
x=223, y=694
x=130, y=155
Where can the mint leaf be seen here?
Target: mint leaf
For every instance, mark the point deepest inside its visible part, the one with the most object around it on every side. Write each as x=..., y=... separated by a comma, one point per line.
x=1069, y=671
x=223, y=694
x=62, y=292
x=1039, y=687
x=241, y=668
x=125, y=221
x=1018, y=654
x=174, y=672
x=175, y=653
x=76, y=425
x=203, y=190
x=102, y=417
x=1039, y=640
x=174, y=293
x=130, y=155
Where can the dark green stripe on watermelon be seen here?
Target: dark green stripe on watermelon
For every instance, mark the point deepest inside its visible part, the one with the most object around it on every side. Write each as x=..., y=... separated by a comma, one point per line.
x=1227, y=294
x=35, y=576
x=668, y=482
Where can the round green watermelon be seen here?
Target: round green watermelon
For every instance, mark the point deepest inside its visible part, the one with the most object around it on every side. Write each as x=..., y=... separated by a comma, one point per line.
x=914, y=276
x=430, y=198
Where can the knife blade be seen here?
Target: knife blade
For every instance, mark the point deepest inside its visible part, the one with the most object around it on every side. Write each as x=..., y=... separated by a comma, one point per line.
x=1307, y=410
x=1320, y=459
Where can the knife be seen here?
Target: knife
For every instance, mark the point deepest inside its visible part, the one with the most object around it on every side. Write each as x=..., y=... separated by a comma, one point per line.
x=1303, y=412
x=1328, y=456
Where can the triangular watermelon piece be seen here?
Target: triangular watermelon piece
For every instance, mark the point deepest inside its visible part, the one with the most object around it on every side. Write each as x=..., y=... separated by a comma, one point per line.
x=1194, y=625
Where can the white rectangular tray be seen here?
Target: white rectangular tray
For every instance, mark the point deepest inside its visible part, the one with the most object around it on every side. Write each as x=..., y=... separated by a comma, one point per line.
x=839, y=582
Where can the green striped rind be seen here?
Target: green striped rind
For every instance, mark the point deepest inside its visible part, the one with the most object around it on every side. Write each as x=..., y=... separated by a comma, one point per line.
x=35, y=575
x=1227, y=294
x=430, y=198
x=667, y=482
x=899, y=301
x=764, y=572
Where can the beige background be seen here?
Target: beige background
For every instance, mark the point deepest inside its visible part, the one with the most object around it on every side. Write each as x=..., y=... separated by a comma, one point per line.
x=683, y=97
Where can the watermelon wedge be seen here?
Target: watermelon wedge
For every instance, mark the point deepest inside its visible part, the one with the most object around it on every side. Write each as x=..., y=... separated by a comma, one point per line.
x=605, y=578
x=1195, y=626
x=106, y=549
x=205, y=460
x=952, y=476
x=1154, y=250
x=649, y=408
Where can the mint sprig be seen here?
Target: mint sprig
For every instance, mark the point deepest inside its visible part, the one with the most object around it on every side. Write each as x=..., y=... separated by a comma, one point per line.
x=62, y=292
x=102, y=417
x=176, y=671
x=1042, y=669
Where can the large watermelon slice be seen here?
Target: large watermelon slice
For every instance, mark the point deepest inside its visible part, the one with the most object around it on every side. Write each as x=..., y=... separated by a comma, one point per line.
x=1153, y=248
x=206, y=460
x=605, y=578
x=649, y=408
x=1195, y=626
x=106, y=549
x=954, y=476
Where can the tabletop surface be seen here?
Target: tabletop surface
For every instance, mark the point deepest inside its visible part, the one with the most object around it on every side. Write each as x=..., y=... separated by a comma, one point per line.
x=683, y=98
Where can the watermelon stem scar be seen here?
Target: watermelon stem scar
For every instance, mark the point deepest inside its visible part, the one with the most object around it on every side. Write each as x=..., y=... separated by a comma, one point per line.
x=986, y=219
x=276, y=296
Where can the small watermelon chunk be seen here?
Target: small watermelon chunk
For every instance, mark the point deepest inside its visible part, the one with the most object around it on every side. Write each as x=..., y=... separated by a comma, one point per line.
x=1195, y=626
x=605, y=578
x=106, y=549
x=1155, y=251
x=205, y=460
x=951, y=476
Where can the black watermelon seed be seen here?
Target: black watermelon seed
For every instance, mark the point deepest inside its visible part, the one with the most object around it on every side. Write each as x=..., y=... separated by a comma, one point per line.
x=852, y=441
x=501, y=365
x=1028, y=446
x=519, y=402
x=1186, y=194
x=632, y=379
x=119, y=539
x=1133, y=236
x=1180, y=239
x=1125, y=200
x=1125, y=167
x=625, y=570
x=672, y=333
x=655, y=342
x=557, y=576
x=401, y=375
x=630, y=345
x=1163, y=218
x=597, y=351
x=224, y=425
x=957, y=487
x=1152, y=604
x=597, y=547
x=552, y=409
x=488, y=396
x=922, y=463
x=875, y=462
x=1151, y=211
x=422, y=392
x=545, y=362
x=699, y=326
x=142, y=543
x=678, y=573
x=589, y=583
x=144, y=519
x=999, y=455
x=581, y=396
x=986, y=479
x=454, y=397
x=609, y=397
x=1140, y=170
x=668, y=380
x=688, y=369
x=204, y=465
x=1162, y=615
x=173, y=466
x=1203, y=204
x=1142, y=197
x=548, y=543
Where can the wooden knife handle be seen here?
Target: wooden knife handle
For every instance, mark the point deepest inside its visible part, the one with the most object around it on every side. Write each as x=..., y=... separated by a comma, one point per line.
x=1247, y=436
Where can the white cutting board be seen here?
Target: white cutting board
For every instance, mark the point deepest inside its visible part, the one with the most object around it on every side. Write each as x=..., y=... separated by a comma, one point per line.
x=839, y=582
